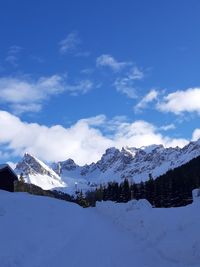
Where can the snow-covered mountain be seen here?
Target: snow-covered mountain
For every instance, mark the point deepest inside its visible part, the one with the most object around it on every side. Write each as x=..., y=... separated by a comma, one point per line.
x=136, y=164
x=132, y=163
x=38, y=173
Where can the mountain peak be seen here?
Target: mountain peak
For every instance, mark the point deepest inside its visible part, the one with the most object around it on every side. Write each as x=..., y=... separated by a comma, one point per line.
x=152, y=148
x=68, y=164
x=111, y=150
x=37, y=172
x=29, y=158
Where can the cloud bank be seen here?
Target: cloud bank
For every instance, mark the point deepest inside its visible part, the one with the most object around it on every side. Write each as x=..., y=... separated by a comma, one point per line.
x=84, y=141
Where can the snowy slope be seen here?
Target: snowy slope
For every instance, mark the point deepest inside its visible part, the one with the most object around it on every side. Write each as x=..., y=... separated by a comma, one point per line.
x=38, y=232
x=38, y=173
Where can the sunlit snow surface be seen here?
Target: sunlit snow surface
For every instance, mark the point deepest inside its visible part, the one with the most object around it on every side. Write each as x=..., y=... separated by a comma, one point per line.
x=39, y=231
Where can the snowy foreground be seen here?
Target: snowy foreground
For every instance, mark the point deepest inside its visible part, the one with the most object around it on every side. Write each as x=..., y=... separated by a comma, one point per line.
x=39, y=231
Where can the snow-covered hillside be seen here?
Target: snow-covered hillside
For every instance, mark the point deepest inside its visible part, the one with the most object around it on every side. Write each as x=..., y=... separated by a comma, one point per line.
x=38, y=173
x=39, y=231
x=133, y=163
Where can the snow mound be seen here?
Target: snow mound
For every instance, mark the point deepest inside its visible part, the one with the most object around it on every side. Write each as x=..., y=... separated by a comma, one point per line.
x=138, y=204
x=112, y=208
x=171, y=232
x=39, y=231
x=118, y=211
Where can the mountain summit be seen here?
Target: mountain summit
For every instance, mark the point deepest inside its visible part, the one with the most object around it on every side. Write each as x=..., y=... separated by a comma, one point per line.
x=38, y=173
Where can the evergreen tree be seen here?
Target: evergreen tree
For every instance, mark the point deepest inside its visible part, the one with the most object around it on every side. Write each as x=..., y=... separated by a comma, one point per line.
x=21, y=178
x=150, y=190
x=126, y=192
x=81, y=200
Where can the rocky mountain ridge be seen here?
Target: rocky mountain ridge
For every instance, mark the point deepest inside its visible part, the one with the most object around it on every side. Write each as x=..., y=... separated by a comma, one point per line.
x=135, y=164
x=38, y=173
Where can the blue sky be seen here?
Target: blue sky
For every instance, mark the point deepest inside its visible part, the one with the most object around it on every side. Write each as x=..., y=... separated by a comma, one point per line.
x=107, y=73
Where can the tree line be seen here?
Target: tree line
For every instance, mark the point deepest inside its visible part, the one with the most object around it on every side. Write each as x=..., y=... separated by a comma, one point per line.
x=173, y=189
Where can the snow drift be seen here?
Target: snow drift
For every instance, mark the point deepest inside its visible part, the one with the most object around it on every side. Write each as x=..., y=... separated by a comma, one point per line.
x=39, y=231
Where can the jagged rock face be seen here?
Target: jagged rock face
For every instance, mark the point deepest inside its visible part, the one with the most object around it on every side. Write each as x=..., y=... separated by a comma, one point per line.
x=29, y=165
x=68, y=164
x=38, y=173
x=111, y=156
x=134, y=163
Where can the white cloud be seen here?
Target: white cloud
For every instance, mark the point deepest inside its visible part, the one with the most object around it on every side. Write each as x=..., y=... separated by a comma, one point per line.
x=109, y=61
x=83, y=141
x=126, y=84
x=151, y=96
x=27, y=95
x=87, y=71
x=70, y=43
x=181, y=101
x=81, y=87
x=13, y=55
x=95, y=121
x=26, y=107
x=80, y=141
x=196, y=135
x=21, y=90
x=23, y=94
x=136, y=74
x=168, y=127
x=142, y=133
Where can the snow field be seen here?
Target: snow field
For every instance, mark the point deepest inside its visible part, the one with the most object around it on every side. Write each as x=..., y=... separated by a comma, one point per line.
x=40, y=231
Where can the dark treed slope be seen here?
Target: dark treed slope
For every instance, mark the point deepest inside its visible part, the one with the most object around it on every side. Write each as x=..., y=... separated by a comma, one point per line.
x=172, y=189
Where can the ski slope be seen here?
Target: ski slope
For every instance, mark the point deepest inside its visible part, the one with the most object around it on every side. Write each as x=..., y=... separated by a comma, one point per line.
x=39, y=231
